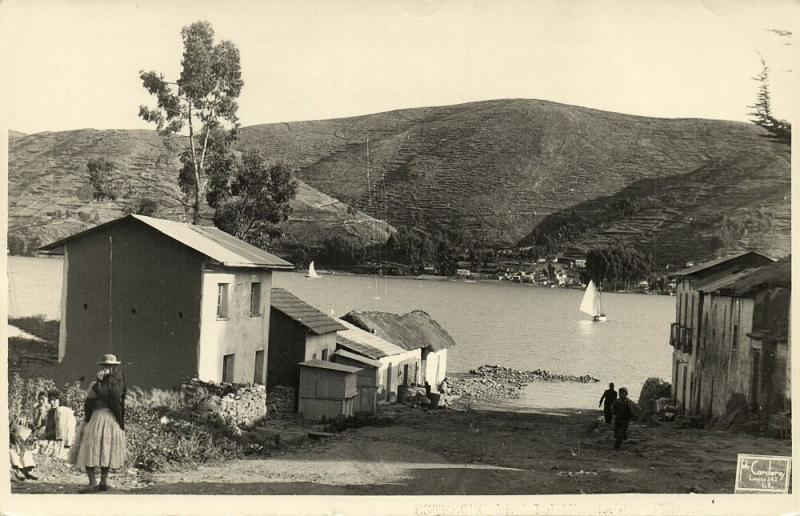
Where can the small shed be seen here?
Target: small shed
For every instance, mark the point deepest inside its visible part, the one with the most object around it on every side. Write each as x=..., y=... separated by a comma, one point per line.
x=327, y=389
x=367, y=380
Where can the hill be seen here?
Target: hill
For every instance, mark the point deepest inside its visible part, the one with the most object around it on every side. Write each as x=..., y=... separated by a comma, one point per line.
x=494, y=171
x=50, y=196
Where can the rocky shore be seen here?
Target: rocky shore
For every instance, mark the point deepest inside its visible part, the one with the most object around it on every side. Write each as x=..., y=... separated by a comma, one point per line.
x=491, y=381
x=537, y=375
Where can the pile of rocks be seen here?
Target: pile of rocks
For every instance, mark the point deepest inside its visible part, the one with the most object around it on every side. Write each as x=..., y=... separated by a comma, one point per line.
x=480, y=387
x=281, y=400
x=241, y=404
x=524, y=377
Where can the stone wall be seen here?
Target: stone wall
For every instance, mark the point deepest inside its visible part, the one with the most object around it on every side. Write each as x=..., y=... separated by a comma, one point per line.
x=281, y=401
x=241, y=404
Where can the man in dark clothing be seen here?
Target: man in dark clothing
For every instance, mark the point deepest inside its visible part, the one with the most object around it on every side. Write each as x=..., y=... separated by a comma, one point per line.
x=624, y=410
x=609, y=396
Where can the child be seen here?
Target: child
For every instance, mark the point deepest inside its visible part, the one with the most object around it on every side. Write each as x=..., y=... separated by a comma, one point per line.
x=21, y=458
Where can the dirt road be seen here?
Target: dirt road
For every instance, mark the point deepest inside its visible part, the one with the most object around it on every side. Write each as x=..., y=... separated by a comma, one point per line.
x=471, y=452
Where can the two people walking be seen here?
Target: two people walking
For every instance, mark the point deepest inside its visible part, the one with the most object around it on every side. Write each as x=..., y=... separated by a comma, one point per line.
x=619, y=409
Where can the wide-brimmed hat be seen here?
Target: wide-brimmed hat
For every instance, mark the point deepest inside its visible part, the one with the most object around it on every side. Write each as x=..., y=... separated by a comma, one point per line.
x=109, y=360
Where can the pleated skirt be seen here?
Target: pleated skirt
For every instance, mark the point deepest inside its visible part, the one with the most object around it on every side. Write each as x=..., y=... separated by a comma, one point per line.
x=100, y=443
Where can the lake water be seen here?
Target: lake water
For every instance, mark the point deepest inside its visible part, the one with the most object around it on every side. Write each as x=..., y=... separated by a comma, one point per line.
x=514, y=325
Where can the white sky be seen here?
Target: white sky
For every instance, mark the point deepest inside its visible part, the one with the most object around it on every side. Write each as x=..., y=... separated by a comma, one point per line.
x=74, y=64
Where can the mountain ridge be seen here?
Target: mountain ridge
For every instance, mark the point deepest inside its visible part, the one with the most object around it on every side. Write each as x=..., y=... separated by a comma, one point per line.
x=492, y=171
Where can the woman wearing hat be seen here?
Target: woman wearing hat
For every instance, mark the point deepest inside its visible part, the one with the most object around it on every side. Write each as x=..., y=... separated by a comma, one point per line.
x=101, y=440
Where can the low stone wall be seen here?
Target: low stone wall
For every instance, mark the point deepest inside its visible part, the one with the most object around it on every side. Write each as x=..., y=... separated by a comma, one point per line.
x=281, y=401
x=241, y=404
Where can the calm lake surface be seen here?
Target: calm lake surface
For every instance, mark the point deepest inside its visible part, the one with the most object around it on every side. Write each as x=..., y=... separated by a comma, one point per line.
x=513, y=325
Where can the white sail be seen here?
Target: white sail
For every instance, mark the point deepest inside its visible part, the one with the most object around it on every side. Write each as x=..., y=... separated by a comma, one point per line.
x=591, y=300
x=312, y=273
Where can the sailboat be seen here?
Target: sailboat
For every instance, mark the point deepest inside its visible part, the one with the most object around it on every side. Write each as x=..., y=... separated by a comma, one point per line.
x=312, y=273
x=591, y=303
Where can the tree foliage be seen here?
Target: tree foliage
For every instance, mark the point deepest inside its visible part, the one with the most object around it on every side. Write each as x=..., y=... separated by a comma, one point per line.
x=201, y=104
x=618, y=266
x=105, y=180
x=762, y=114
x=251, y=197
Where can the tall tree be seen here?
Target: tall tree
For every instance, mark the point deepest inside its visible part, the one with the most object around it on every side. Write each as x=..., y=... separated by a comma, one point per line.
x=762, y=114
x=201, y=105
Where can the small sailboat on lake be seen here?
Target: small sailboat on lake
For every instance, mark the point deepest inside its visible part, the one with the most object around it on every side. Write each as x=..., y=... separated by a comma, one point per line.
x=312, y=273
x=591, y=303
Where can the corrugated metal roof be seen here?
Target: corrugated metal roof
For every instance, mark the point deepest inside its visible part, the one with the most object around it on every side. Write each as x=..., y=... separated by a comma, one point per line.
x=357, y=358
x=720, y=282
x=775, y=275
x=713, y=263
x=413, y=330
x=298, y=310
x=331, y=366
x=749, y=281
x=364, y=342
x=209, y=241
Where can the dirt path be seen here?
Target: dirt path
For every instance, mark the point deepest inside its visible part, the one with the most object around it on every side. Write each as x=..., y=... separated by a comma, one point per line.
x=473, y=452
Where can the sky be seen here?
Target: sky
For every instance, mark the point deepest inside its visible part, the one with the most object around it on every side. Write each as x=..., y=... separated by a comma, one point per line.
x=75, y=64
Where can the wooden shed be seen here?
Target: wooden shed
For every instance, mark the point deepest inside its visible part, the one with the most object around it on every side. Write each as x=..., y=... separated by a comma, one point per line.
x=367, y=380
x=327, y=389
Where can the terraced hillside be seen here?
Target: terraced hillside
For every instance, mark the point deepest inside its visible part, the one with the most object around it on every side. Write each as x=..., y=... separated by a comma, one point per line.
x=50, y=196
x=497, y=169
x=679, y=216
x=493, y=170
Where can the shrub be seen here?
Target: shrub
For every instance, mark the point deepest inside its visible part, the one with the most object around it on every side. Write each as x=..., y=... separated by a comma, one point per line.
x=159, y=436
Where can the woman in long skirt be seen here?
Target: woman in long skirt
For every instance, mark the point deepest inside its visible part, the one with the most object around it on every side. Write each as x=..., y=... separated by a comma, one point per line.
x=101, y=440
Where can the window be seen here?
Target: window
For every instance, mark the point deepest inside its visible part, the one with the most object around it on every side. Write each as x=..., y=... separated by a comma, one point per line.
x=324, y=354
x=314, y=356
x=255, y=299
x=259, y=369
x=227, y=368
x=735, y=335
x=222, y=300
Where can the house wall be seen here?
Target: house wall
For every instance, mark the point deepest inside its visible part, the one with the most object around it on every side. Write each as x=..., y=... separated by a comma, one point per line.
x=240, y=334
x=287, y=341
x=724, y=369
x=683, y=363
x=435, y=367
x=771, y=316
x=315, y=344
x=135, y=293
x=290, y=344
x=396, y=363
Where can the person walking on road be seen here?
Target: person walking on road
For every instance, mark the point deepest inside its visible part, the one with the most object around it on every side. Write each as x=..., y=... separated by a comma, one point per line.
x=623, y=409
x=609, y=397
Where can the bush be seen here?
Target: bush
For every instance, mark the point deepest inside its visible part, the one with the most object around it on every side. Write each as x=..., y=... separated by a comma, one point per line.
x=164, y=428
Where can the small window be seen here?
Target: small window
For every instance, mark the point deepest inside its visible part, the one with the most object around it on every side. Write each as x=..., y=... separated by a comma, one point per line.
x=227, y=368
x=222, y=300
x=735, y=335
x=324, y=354
x=259, y=368
x=255, y=299
x=314, y=356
